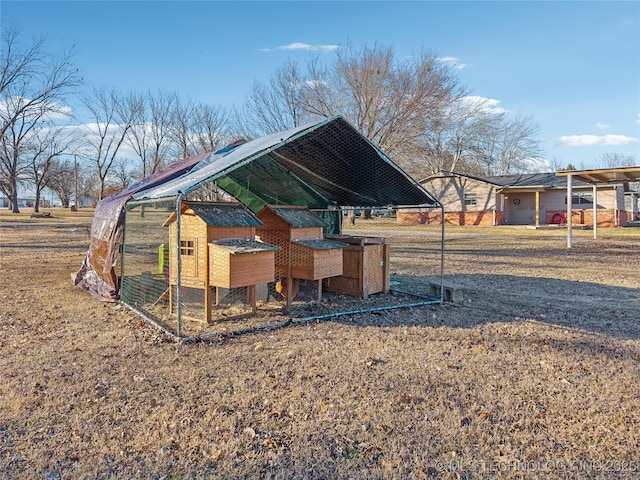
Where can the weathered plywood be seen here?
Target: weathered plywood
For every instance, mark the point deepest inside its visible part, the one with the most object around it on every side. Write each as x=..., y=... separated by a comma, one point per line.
x=365, y=271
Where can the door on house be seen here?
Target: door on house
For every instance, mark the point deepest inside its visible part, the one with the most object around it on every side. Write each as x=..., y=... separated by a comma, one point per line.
x=520, y=209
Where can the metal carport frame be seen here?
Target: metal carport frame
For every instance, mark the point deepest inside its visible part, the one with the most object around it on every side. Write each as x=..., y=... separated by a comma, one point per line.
x=603, y=176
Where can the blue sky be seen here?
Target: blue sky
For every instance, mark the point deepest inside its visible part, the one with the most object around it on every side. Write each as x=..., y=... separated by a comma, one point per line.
x=573, y=66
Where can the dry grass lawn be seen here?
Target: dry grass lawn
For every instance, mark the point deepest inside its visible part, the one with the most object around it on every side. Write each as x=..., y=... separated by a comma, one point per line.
x=535, y=375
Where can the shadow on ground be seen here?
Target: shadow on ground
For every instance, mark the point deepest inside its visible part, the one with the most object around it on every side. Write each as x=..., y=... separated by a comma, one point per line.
x=586, y=306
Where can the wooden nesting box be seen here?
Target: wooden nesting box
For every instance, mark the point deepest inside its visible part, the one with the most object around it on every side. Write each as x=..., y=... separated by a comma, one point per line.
x=365, y=267
x=218, y=249
x=304, y=252
x=238, y=262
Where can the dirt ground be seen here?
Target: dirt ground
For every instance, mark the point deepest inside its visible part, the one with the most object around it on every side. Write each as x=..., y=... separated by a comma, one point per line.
x=533, y=375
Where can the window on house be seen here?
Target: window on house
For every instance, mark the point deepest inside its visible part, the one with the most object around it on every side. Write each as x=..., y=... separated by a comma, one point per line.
x=470, y=199
x=580, y=199
x=187, y=247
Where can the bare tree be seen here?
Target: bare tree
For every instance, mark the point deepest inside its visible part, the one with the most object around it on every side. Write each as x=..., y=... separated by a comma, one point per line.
x=613, y=160
x=113, y=115
x=26, y=150
x=45, y=146
x=88, y=184
x=274, y=106
x=150, y=133
x=33, y=87
x=506, y=144
x=183, y=120
x=12, y=164
x=121, y=174
x=60, y=179
x=449, y=139
x=210, y=126
x=415, y=110
x=556, y=164
x=386, y=100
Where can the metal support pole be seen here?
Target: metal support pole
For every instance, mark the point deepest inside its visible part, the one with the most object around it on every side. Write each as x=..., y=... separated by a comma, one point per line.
x=75, y=181
x=595, y=211
x=178, y=262
x=442, y=255
x=569, y=209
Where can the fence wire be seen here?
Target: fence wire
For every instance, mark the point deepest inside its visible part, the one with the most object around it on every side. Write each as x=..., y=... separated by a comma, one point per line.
x=396, y=263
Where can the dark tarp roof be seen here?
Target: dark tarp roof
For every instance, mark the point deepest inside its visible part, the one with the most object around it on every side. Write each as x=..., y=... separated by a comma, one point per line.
x=313, y=165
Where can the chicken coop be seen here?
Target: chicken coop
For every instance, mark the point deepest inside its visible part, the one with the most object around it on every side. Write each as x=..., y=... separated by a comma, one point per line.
x=195, y=238
x=304, y=253
x=216, y=249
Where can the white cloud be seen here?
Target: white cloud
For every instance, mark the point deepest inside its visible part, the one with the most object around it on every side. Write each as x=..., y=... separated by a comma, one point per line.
x=594, y=140
x=536, y=164
x=303, y=46
x=454, y=61
x=53, y=110
x=602, y=126
x=483, y=104
x=638, y=119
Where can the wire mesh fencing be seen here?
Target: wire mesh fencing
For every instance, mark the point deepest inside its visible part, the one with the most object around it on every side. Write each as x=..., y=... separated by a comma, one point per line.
x=144, y=279
x=373, y=264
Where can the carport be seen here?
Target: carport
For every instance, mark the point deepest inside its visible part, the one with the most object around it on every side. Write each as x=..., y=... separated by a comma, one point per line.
x=596, y=177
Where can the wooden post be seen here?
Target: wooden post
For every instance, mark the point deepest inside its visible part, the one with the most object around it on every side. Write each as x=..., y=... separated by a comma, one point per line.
x=170, y=298
x=252, y=298
x=386, y=255
x=208, y=294
x=207, y=288
x=289, y=278
x=365, y=271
